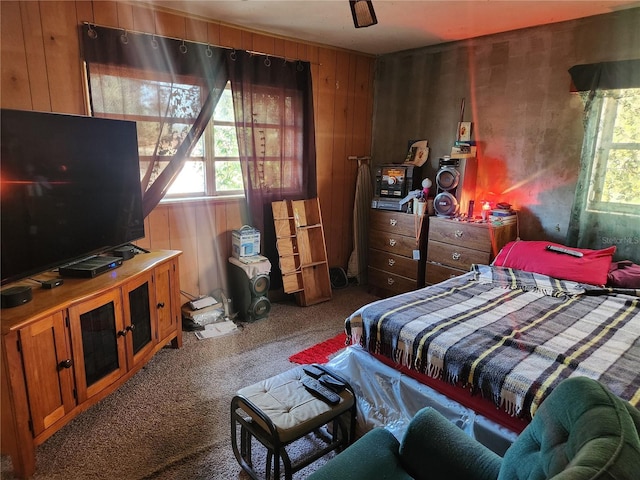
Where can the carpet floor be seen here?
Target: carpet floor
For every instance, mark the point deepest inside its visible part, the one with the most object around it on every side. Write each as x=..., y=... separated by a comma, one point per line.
x=172, y=420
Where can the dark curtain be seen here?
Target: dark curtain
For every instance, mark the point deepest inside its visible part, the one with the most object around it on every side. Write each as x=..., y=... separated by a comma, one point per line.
x=146, y=52
x=273, y=103
x=603, y=226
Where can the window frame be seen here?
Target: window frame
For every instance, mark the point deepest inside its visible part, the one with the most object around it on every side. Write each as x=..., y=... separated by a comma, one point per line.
x=209, y=159
x=607, y=110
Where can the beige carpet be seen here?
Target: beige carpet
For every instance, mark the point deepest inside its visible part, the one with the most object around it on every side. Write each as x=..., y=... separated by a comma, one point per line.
x=171, y=420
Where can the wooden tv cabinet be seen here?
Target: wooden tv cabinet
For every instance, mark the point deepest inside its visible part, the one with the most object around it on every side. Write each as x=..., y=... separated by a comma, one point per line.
x=71, y=346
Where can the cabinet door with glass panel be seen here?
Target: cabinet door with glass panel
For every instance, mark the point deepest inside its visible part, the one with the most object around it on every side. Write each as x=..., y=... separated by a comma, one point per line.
x=139, y=323
x=97, y=334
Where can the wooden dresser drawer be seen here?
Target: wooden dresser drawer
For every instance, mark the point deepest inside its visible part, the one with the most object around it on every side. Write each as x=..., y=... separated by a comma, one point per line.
x=395, y=264
x=398, y=223
x=455, y=255
x=469, y=235
x=392, y=242
x=390, y=282
x=437, y=273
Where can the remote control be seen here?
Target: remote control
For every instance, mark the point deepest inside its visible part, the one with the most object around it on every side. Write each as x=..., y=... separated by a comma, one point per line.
x=320, y=391
x=573, y=253
x=332, y=383
x=313, y=371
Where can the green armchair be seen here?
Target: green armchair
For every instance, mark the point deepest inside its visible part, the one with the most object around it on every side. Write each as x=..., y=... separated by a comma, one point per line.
x=581, y=431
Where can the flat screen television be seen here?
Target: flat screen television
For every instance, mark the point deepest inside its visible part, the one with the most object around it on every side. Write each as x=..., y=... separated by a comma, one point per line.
x=70, y=188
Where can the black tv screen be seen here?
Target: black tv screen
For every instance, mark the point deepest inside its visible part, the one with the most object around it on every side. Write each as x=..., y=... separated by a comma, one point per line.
x=70, y=188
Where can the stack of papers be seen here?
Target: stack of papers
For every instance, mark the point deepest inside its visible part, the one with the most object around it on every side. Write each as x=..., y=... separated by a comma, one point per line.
x=217, y=329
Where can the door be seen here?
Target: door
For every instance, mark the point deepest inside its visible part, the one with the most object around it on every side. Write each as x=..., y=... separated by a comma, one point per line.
x=98, y=336
x=48, y=371
x=140, y=320
x=167, y=310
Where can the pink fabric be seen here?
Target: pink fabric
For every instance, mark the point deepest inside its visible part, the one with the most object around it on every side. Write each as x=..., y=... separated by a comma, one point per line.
x=624, y=274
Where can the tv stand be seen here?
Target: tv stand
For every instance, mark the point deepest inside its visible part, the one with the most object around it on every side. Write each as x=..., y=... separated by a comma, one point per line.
x=55, y=348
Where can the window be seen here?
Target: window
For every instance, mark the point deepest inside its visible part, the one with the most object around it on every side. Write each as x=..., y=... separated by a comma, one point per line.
x=615, y=174
x=164, y=112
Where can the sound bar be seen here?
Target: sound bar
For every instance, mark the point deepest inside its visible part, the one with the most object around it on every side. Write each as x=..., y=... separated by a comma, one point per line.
x=90, y=267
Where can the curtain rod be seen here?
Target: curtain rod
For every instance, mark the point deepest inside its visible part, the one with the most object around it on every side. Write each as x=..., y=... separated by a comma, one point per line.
x=250, y=52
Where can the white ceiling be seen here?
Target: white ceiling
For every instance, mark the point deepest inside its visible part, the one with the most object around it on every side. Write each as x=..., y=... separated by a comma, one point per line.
x=402, y=24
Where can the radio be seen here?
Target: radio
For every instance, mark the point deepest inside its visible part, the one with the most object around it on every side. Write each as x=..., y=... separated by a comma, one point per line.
x=393, y=182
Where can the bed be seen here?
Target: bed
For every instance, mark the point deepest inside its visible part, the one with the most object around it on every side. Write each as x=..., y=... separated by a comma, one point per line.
x=508, y=336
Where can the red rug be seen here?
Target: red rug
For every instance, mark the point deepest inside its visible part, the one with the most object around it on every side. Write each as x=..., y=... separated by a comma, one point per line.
x=321, y=352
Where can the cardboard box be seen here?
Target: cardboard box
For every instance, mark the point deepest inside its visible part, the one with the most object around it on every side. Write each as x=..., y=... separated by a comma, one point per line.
x=245, y=242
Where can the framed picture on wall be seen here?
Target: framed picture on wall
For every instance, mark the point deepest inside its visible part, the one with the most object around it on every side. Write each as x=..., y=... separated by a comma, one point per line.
x=464, y=131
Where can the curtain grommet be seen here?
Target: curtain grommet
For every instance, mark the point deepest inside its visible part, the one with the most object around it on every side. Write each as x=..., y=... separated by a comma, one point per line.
x=124, y=38
x=91, y=32
x=154, y=43
x=183, y=48
x=208, y=52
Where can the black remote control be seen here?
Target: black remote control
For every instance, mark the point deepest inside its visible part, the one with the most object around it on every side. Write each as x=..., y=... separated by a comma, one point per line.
x=320, y=391
x=573, y=253
x=332, y=383
x=313, y=371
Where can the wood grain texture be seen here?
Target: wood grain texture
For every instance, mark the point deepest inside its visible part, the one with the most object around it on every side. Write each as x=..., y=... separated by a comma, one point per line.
x=42, y=70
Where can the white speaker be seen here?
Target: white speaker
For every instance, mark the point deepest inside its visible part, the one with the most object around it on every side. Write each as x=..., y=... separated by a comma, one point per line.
x=455, y=185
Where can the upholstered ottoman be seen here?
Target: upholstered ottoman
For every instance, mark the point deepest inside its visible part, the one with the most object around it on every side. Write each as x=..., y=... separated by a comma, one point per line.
x=280, y=410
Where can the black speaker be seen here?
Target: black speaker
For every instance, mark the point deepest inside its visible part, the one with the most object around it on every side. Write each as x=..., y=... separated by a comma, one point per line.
x=249, y=295
x=14, y=296
x=455, y=185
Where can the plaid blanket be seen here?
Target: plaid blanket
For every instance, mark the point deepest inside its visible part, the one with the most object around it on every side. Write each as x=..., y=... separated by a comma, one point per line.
x=509, y=334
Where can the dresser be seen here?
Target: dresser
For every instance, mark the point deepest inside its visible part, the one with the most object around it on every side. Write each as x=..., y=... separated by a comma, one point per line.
x=453, y=246
x=396, y=251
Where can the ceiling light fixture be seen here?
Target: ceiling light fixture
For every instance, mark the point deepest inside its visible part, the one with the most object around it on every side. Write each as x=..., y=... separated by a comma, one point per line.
x=363, y=14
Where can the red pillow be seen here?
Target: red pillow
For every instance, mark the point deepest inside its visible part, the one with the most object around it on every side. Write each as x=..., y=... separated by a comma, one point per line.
x=533, y=256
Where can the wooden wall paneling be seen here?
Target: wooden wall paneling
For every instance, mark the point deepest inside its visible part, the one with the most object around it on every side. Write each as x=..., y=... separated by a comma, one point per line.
x=106, y=13
x=84, y=11
x=324, y=139
x=125, y=16
x=15, y=92
x=36, y=62
x=247, y=40
x=62, y=50
x=144, y=19
x=206, y=249
x=363, y=107
x=350, y=165
x=230, y=37
x=183, y=235
x=170, y=25
x=158, y=233
x=339, y=176
x=196, y=30
x=202, y=231
x=213, y=34
x=290, y=50
x=229, y=217
x=263, y=44
x=279, y=48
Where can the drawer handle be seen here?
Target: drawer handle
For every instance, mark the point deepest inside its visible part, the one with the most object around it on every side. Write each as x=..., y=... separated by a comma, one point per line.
x=458, y=233
x=391, y=262
x=393, y=222
x=392, y=242
x=390, y=281
x=456, y=255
